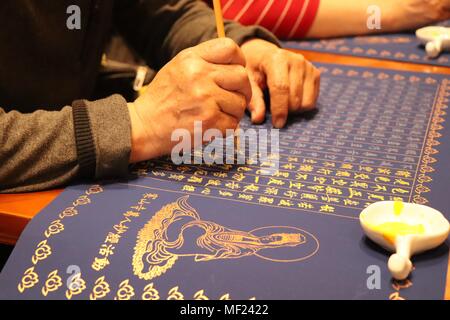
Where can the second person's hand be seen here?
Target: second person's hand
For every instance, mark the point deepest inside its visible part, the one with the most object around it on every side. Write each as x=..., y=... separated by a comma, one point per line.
x=292, y=81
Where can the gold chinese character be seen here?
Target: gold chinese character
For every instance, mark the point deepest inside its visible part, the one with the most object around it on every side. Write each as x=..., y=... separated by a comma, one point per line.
x=403, y=173
x=263, y=199
x=333, y=190
x=401, y=182
x=112, y=237
x=99, y=263
x=305, y=205
x=106, y=250
x=195, y=179
x=339, y=182
x=354, y=193
x=306, y=168
x=213, y=182
x=327, y=208
x=285, y=203
x=188, y=188
x=251, y=188
x=247, y=197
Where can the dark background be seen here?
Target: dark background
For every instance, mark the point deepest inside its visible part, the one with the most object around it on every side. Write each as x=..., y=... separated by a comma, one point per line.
x=5, y=251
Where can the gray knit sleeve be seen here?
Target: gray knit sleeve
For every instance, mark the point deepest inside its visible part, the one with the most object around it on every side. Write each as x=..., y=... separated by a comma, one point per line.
x=38, y=150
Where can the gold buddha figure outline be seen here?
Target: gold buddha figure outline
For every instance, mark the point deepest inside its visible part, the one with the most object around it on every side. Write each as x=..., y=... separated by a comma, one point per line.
x=177, y=230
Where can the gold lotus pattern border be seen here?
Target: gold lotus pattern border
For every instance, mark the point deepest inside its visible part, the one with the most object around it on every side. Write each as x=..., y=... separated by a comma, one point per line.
x=431, y=142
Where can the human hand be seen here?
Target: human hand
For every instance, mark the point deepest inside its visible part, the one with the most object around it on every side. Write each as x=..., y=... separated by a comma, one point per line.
x=416, y=13
x=207, y=83
x=293, y=82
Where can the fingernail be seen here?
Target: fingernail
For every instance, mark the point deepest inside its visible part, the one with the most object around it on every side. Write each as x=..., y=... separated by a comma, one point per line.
x=279, y=123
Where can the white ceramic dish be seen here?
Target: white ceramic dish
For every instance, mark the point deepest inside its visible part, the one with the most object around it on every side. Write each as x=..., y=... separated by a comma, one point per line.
x=436, y=39
x=436, y=229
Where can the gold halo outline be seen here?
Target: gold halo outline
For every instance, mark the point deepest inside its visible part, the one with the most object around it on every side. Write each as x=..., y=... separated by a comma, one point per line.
x=290, y=260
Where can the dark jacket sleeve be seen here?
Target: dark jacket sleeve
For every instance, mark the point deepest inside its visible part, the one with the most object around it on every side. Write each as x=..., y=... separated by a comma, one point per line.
x=159, y=29
x=38, y=150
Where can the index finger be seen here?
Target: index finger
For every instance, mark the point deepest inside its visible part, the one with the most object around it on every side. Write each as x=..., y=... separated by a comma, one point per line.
x=221, y=51
x=277, y=73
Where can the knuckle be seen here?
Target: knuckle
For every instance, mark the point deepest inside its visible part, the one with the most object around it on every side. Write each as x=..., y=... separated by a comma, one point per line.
x=280, y=87
x=186, y=54
x=192, y=68
x=278, y=55
x=209, y=115
x=230, y=45
x=198, y=92
x=299, y=58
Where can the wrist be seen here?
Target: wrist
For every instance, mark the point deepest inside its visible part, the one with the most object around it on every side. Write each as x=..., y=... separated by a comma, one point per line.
x=142, y=145
x=249, y=45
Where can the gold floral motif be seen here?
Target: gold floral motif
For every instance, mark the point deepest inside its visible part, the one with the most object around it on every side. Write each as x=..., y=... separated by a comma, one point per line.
x=76, y=286
x=81, y=201
x=424, y=179
x=52, y=283
x=100, y=290
x=395, y=296
x=431, y=140
x=200, y=295
x=150, y=293
x=419, y=199
x=422, y=189
x=125, y=292
x=226, y=296
x=174, y=294
x=29, y=280
x=54, y=228
x=68, y=212
x=42, y=251
x=94, y=189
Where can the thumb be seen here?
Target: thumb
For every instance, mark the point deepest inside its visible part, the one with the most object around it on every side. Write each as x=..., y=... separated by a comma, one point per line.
x=221, y=51
x=256, y=106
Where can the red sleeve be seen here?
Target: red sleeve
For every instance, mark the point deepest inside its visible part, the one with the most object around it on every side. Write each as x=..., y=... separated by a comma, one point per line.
x=288, y=19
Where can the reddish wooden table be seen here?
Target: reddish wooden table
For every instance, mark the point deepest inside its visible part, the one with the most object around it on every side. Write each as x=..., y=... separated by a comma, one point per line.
x=17, y=209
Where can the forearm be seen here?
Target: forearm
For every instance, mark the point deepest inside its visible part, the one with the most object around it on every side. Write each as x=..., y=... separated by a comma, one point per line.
x=38, y=150
x=349, y=17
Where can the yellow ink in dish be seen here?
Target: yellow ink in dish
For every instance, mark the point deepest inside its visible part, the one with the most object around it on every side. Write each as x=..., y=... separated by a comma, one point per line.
x=398, y=207
x=391, y=230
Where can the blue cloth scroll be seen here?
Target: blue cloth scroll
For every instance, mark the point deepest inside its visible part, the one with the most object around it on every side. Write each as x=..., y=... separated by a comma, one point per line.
x=231, y=232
